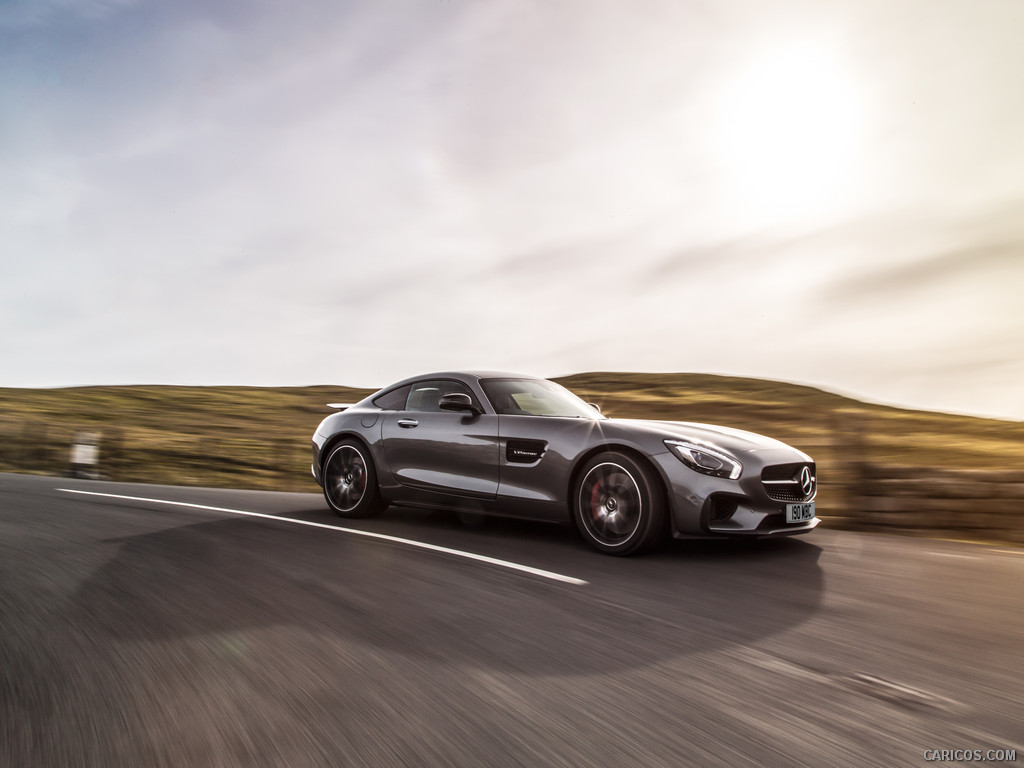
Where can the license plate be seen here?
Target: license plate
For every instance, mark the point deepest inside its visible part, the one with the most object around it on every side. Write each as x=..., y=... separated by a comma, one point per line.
x=799, y=513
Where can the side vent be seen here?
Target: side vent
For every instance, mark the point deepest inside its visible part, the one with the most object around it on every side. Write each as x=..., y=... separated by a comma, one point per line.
x=524, y=451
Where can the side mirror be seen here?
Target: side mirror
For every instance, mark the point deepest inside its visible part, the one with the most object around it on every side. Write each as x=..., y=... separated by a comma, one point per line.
x=458, y=401
x=595, y=406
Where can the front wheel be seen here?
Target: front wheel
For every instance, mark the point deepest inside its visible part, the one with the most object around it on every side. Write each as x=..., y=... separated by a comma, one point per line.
x=350, y=482
x=619, y=505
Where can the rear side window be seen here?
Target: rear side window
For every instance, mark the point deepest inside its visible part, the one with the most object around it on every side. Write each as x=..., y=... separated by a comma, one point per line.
x=393, y=400
x=425, y=396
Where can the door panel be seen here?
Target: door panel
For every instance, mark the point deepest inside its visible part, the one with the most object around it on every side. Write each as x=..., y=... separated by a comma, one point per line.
x=443, y=452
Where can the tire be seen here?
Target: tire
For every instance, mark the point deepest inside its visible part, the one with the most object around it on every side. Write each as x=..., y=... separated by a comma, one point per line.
x=619, y=505
x=350, y=481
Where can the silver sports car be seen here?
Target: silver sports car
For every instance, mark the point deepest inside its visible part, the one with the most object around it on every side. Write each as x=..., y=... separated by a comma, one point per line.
x=520, y=446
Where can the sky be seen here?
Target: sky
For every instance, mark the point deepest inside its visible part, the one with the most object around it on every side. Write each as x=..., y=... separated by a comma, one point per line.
x=316, y=192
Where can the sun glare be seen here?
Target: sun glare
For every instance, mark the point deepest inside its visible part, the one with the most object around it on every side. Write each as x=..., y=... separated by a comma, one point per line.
x=788, y=135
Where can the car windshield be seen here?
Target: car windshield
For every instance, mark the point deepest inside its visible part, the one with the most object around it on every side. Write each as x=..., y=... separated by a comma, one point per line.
x=535, y=397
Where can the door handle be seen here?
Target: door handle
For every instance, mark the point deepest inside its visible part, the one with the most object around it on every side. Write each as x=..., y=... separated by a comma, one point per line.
x=408, y=423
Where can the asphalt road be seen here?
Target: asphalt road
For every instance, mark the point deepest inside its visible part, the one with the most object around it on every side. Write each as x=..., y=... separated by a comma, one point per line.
x=136, y=633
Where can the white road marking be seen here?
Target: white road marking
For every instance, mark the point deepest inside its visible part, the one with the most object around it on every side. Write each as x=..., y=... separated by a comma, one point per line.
x=900, y=692
x=948, y=554
x=1009, y=551
x=369, y=534
x=777, y=664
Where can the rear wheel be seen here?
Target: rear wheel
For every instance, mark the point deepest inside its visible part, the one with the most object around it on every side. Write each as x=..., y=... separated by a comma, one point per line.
x=619, y=505
x=350, y=482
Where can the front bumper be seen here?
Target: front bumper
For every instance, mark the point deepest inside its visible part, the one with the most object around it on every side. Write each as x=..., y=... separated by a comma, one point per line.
x=751, y=520
x=703, y=506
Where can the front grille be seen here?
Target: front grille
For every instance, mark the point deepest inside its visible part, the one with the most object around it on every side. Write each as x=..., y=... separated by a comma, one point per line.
x=785, y=493
x=782, y=482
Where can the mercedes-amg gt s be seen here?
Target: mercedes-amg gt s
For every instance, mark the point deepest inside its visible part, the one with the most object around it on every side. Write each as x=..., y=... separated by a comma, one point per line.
x=520, y=446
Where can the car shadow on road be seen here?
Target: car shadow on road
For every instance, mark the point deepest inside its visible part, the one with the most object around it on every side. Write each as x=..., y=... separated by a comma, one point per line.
x=236, y=576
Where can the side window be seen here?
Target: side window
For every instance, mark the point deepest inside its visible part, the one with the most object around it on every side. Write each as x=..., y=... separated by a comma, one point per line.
x=426, y=395
x=393, y=400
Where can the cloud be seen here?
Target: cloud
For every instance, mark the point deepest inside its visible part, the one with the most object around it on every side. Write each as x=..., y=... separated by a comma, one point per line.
x=26, y=14
x=999, y=263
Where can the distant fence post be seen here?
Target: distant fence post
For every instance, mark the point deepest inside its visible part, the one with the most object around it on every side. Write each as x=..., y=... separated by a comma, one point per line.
x=113, y=453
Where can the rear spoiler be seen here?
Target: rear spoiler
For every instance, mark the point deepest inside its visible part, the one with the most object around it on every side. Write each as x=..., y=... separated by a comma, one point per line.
x=340, y=406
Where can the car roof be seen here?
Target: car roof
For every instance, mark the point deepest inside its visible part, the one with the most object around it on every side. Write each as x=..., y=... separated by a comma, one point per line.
x=464, y=376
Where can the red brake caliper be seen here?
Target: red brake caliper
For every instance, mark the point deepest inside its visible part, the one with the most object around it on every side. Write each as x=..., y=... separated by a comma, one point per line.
x=595, y=501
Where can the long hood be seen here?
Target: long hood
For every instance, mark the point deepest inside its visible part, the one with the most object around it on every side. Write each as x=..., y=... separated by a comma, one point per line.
x=734, y=440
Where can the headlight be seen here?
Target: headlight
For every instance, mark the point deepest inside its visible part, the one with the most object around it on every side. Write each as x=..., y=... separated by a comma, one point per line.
x=707, y=461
